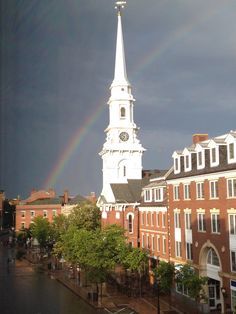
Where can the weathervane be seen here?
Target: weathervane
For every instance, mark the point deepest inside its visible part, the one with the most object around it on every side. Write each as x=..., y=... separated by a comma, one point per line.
x=120, y=5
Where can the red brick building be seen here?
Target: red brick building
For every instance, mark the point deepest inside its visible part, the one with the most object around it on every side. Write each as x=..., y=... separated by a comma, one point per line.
x=202, y=209
x=39, y=203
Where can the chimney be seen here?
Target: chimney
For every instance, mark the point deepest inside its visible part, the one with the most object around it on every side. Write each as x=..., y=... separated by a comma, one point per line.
x=199, y=137
x=66, y=197
x=92, y=197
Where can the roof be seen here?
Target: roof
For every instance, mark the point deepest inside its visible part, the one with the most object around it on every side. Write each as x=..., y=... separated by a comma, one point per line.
x=45, y=201
x=128, y=192
x=77, y=200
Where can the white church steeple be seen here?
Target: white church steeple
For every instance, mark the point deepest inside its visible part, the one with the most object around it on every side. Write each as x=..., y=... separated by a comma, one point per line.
x=122, y=151
x=120, y=77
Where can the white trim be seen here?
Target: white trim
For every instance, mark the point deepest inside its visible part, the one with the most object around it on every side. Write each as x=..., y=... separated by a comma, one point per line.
x=205, y=176
x=153, y=209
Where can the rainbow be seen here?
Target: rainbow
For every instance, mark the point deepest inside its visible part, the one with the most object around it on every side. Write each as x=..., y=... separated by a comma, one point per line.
x=147, y=60
x=71, y=147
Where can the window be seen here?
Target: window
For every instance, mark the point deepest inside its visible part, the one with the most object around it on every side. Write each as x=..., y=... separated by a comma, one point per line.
x=147, y=220
x=187, y=162
x=158, y=243
x=152, y=219
x=188, y=223
x=23, y=225
x=177, y=220
x=200, y=190
x=176, y=192
x=32, y=214
x=177, y=248
x=177, y=164
x=163, y=220
x=214, y=189
x=212, y=258
x=201, y=222
x=148, y=195
x=122, y=112
x=157, y=220
x=187, y=191
x=231, y=188
x=143, y=241
x=215, y=223
x=158, y=194
x=213, y=155
x=189, y=251
x=164, y=245
x=148, y=243
x=54, y=213
x=233, y=296
x=199, y=158
x=153, y=243
x=232, y=224
x=233, y=260
x=23, y=214
x=45, y=214
x=231, y=151
x=130, y=223
x=142, y=218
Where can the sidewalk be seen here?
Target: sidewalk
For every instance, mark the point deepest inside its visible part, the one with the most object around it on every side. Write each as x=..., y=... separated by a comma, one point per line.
x=116, y=300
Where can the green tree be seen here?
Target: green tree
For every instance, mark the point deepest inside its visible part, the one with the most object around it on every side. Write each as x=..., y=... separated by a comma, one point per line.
x=86, y=216
x=165, y=272
x=136, y=260
x=41, y=230
x=59, y=226
x=194, y=283
x=96, y=251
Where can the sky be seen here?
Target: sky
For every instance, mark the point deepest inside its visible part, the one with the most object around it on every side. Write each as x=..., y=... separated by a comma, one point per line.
x=57, y=63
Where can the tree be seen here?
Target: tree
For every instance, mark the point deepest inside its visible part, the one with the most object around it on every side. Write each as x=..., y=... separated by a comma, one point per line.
x=41, y=230
x=165, y=272
x=137, y=261
x=191, y=281
x=96, y=251
x=59, y=226
x=86, y=216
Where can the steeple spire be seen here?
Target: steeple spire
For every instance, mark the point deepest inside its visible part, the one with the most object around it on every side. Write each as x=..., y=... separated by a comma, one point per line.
x=120, y=76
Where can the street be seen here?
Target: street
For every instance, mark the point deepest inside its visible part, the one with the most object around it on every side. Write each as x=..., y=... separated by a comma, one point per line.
x=26, y=291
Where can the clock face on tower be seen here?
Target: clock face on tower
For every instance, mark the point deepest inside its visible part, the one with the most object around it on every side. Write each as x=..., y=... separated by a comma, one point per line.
x=124, y=136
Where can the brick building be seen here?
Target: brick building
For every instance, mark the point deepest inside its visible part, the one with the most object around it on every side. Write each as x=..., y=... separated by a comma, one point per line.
x=39, y=203
x=202, y=209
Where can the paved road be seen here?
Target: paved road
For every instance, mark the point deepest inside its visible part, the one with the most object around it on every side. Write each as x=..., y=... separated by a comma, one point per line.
x=25, y=291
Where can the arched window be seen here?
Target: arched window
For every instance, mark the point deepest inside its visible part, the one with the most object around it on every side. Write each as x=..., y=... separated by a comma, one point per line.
x=122, y=112
x=130, y=223
x=124, y=171
x=212, y=258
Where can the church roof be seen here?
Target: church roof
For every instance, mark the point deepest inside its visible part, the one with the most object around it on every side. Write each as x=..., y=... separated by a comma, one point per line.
x=128, y=192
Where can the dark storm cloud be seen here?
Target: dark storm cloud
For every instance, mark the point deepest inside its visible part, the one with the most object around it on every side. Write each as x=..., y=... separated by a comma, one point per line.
x=57, y=62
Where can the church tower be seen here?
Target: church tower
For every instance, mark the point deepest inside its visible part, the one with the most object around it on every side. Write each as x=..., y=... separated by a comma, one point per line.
x=122, y=151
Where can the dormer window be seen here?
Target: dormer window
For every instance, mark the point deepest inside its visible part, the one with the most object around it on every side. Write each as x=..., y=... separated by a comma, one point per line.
x=187, y=161
x=213, y=155
x=177, y=165
x=200, y=159
x=231, y=151
x=199, y=155
x=158, y=194
x=147, y=195
x=231, y=148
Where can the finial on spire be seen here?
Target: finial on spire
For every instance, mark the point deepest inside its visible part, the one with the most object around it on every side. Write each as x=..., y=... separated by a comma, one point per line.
x=120, y=5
